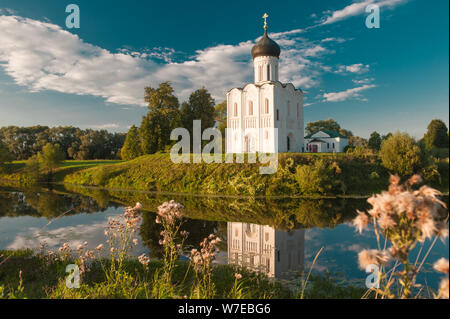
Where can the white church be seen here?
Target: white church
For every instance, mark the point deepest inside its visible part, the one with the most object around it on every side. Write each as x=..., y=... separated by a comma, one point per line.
x=267, y=115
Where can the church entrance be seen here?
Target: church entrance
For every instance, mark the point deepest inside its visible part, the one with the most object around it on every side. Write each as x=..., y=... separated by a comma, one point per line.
x=249, y=144
x=314, y=148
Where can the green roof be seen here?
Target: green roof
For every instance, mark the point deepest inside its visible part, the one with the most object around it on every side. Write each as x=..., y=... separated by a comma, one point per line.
x=331, y=133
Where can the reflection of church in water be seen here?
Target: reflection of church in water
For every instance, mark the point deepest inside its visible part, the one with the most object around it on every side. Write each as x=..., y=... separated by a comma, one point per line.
x=277, y=253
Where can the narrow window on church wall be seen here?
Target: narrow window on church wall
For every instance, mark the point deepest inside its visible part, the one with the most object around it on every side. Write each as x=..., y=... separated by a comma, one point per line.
x=250, y=108
x=268, y=72
x=278, y=115
x=260, y=73
x=235, y=109
x=266, y=110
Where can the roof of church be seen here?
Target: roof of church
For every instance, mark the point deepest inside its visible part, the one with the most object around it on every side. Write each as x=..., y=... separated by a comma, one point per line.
x=330, y=133
x=267, y=82
x=266, y=47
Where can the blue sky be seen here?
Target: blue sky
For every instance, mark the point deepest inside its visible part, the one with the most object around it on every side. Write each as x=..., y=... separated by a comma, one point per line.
x=386, y=79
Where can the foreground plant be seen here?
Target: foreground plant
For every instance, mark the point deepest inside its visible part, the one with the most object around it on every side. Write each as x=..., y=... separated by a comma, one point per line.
x=170, y=216
x=404, y=217
x=201, y=261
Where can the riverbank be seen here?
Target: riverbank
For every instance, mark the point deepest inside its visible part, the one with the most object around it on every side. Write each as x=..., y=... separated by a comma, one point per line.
x=41, y=278
x=303, y=175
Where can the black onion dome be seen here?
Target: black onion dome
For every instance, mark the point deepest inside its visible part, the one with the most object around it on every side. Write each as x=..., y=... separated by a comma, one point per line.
x=266, y=47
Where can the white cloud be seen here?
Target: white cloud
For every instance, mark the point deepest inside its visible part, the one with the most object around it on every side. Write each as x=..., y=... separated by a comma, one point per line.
x=357, y=68
x=356, y=9
x=363, y=81
x=348, y=94
x=43, y=56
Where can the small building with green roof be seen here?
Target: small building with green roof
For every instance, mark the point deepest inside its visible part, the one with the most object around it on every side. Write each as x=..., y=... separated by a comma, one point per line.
x=325, y=141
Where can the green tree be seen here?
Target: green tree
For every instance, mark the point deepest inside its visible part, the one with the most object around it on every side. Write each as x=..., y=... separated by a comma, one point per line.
x=5, y=155
x=437, y=135
x=132, y=146
x=220, y=115
x=375, y=141
x=162, y=118
x=32, y=170
x=51, y=157
x=400, y=154
x=330, y=124
x=314, y=127
x=199, y=107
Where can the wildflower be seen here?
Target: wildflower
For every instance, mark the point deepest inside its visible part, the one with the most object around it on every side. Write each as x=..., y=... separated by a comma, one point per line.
x=80, y=247
x=85, y=243
x=99, y=247
x=373, y=257
x=237, y=276
x=144, y=260
x=441, y=265
x=138, y=206
x=135, y=241
x=361, y=221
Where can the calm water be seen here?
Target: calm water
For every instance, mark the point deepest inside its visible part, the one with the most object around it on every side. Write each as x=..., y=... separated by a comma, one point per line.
x=279, y=237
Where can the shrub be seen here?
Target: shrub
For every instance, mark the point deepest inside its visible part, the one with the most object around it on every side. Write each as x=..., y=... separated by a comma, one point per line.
x=318, y=178
x=400, y=154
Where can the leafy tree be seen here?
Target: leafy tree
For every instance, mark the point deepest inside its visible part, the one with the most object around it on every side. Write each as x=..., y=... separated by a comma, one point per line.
x=330, y=124
x=375, y=141
x=162, y=118
x=51, y=157
x=25, y=142
x=32, y=169
x=437, y=135
x=220, y=115
x=319, y=178
x=132, y=146
x=5, y=155
x=314, y=127
x=400, y=154
x=199, y=107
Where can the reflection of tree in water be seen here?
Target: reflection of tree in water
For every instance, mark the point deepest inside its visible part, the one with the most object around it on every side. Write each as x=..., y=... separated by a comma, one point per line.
x=49, y=204
x=150, y=232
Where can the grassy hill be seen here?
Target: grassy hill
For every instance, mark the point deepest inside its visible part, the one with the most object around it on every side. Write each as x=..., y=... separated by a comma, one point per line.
x=322, y=175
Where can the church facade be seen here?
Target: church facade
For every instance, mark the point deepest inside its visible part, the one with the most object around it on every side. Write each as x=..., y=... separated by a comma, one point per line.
x=267, y=115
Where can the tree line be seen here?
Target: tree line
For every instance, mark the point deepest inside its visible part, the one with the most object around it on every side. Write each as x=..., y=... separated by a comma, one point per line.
x=22, y=143
x=165, y=114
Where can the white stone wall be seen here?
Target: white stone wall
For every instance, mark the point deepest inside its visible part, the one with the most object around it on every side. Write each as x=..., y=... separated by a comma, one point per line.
x=257, y=128
x=265, y=69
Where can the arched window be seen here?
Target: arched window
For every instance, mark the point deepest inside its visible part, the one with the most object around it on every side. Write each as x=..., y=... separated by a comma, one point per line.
x=278, y=115
x=266, y=135
x=266, y=107
x=235, y=109
x=288, y=143
x=268, y=72
x=260, y=73
x=250, y=108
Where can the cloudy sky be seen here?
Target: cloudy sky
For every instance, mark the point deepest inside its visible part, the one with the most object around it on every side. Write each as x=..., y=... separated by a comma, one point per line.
x=386, y=79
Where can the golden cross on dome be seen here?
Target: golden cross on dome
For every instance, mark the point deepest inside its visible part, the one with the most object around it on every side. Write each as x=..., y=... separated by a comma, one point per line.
x=265, y=16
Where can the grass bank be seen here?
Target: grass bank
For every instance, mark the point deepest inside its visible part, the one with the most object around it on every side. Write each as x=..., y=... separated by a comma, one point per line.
x=306, y=175
x=40, y=278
